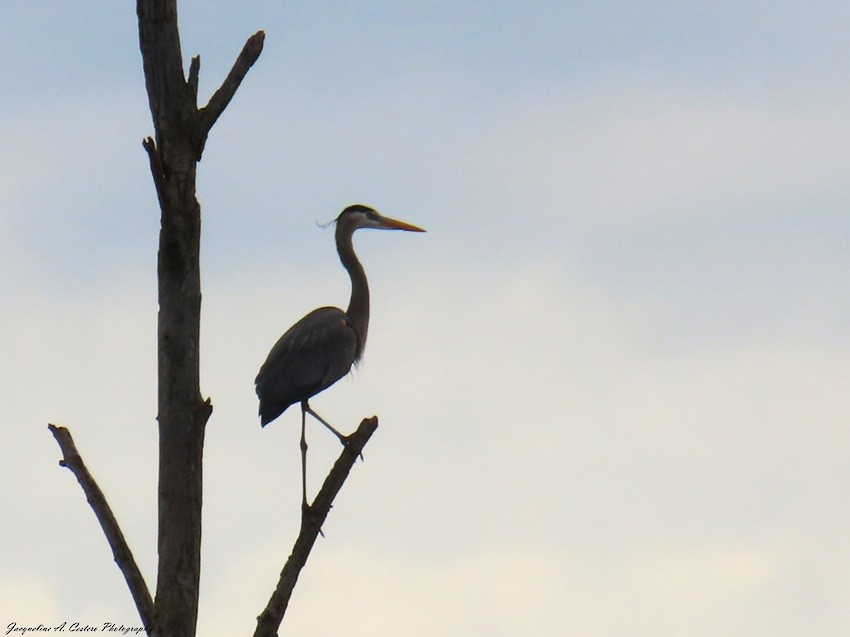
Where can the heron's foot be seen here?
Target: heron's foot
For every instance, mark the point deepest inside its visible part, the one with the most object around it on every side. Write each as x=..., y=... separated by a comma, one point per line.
x=346, y=442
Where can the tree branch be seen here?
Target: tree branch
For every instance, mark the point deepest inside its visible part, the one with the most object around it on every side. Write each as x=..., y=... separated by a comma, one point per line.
x=312, y=519
x=120, y=550
x=208, y=115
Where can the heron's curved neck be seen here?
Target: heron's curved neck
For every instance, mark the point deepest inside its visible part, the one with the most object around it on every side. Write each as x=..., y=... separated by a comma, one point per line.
x=358, y=305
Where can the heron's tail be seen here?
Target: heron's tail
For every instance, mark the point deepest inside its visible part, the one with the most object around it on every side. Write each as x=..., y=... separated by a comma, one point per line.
x=268, y=413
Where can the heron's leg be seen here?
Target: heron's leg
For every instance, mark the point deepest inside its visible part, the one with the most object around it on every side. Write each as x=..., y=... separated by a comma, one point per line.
x=304, y=504
x=342, y=439
x=310, y=411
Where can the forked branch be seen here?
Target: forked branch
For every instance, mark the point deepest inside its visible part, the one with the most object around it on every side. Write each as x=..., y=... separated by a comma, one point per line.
x=208, y=115
x=312, y=519
x=180, y=131
x=120, y=550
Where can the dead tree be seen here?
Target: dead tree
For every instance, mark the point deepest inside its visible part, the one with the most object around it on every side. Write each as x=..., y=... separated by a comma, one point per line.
x=181, y=130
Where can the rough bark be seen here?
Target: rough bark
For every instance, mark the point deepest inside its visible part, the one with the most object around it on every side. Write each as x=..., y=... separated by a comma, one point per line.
x=180, y=133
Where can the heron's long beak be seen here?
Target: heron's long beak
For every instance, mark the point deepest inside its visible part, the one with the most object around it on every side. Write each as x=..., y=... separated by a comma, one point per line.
x=395, y=224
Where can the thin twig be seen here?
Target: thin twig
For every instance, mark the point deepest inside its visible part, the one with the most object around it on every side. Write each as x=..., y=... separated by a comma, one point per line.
x=120, y=550
x=312, y=519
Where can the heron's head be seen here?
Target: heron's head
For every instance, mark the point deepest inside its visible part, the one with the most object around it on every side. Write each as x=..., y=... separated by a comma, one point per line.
x=359, y=216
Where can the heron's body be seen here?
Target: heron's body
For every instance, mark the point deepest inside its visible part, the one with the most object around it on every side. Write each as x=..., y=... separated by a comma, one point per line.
x=321, y=348
x=310, y=357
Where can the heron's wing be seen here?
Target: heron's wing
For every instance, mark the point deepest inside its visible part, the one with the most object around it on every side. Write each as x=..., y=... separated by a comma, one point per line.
x=311, y=356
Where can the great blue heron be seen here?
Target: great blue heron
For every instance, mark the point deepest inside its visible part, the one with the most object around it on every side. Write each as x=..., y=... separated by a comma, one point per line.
x=321, y=348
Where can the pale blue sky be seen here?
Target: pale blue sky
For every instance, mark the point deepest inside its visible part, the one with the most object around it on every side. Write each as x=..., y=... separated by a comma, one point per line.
x=612, y=378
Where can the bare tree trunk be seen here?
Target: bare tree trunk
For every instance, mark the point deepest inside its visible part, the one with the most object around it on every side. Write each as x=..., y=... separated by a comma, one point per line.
x=181, y=131
x=182, y=412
